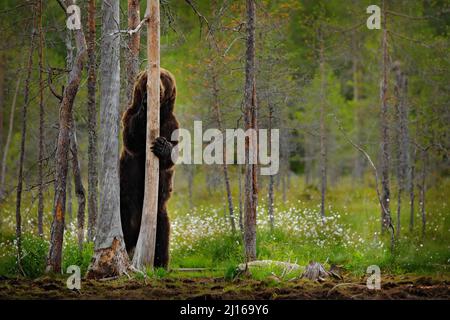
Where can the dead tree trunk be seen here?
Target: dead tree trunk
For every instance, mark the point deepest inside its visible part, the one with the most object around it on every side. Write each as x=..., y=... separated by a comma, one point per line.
x=41, y=123
x=2, y=107
x=92, y=124
x=218, y=115
x=8, y=137
x=386, y=222
x=358, y=164
x=26, y=101
x=323, y=138
x=144, y=254
x=403, y=168
x=132, y=64
x=79, y=189
x=423, y=188
x=110, y=257
x=250, y=118
x=241, y=222
x=65, y=125
x=271, y=177
x=411, y=189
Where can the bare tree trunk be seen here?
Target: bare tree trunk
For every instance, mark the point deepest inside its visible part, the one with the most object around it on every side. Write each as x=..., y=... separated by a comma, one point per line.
x=8, y=137
x=241, y=222
x=386, y=222
x=323, y=138
x=110, y=257
x=41, y=124
x=250, y=118
x=411, y=189
x=358, y=164
x=132, y=56
x=2, y=106
x=92, y=125
x=26, y=101
x=403, y=168
x=69, y=200
x=271, y=177
x=65, y=126
x=224, y=165
x=79, y=189
x=423, y=189
x=144, y=254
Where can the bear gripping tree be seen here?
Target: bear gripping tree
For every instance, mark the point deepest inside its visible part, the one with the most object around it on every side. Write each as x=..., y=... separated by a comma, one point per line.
x=144, y=254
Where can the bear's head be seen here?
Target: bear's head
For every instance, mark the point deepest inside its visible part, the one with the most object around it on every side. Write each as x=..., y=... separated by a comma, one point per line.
x=167, y=91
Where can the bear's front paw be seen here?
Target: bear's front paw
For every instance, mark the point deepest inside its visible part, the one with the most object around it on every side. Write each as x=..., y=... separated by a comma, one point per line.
x=162, y=148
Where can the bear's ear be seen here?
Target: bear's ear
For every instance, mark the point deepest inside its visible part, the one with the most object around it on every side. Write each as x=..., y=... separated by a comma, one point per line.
x=140, y=88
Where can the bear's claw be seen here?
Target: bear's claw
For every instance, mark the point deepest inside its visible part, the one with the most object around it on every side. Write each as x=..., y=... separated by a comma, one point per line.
x=162, y=148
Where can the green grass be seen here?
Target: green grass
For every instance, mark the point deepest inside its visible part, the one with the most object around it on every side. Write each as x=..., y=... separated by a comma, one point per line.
x=202, y=238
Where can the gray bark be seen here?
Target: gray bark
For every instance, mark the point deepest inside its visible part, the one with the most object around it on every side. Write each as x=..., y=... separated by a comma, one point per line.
x=26, y=101
x=92, y=125
x=250, y=118
x=386, y=222
x=79, y=188
x=8, y=137
x=110, y=257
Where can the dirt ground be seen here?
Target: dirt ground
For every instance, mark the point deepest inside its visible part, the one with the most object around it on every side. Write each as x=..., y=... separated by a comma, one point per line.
x=201, y=288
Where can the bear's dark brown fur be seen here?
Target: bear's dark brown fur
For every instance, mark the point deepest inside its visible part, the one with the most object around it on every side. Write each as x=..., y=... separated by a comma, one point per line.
x=132, y=164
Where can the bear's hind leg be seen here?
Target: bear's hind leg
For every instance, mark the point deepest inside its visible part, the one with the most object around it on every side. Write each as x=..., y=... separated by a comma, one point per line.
x=162, y=240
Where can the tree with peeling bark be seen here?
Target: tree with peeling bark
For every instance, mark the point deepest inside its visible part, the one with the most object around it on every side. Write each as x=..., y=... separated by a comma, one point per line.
x=110, y=257
x=54, y=258
x=250, y=119
x=92, y=123
x=144, y=254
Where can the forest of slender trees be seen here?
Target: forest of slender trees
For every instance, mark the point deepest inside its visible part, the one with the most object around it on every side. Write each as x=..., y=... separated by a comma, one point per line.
x=350, y=103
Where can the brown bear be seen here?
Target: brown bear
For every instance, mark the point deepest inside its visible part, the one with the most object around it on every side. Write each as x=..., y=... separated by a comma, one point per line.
x=132, y=164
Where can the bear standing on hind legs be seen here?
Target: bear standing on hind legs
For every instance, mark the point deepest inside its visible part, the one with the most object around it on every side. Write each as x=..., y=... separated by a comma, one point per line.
x=132, y=164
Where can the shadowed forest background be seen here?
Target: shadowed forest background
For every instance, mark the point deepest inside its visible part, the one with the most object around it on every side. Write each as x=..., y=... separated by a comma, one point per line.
x=319, y=73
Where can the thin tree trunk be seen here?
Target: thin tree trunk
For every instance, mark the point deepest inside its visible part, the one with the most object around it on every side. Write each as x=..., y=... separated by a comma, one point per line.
x=224, y=165
x=132, y=64
x=92, y=124
x=69, y=206
x=41, y=124
x=323, y=138
x=358, y=164
x=241, y=222
x=110, y=257
x=403, y=168
x=65, y=127
x=250, y=118
x=271, y=177
x=144, y=254
x=386, y=222
x=423, y=190
x=2, y=105
x=411, y=189
x=79, y=188
x=8, y=137
x=26, y=101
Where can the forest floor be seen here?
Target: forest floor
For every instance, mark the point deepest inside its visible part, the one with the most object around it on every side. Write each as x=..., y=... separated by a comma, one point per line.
x=205, y=288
